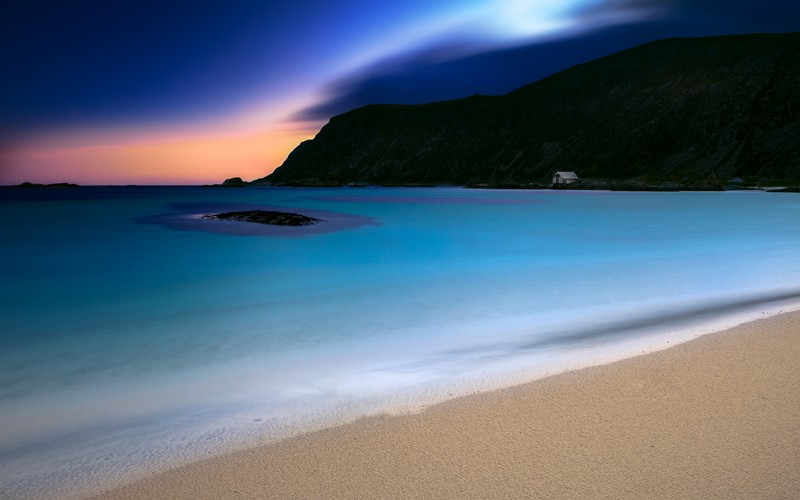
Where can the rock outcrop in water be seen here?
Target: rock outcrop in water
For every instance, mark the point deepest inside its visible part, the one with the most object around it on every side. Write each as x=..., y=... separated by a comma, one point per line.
x=233, y=182
x=690, y=111
x=266, y=217
x=57, y=185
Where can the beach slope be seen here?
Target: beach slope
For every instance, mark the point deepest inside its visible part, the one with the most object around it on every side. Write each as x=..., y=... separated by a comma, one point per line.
x=717, y=417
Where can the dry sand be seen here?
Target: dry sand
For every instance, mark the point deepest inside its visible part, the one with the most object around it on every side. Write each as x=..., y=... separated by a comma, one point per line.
x=718, y=417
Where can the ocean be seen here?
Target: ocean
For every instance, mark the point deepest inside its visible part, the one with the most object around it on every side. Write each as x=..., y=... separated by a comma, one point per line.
x=136, y=336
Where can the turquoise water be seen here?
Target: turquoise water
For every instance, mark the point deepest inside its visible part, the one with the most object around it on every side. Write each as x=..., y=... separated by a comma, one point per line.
x=135, y=336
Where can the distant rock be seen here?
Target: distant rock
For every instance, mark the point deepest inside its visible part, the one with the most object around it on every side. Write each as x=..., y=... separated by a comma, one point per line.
x=233, y=182
x=57, y=185
x=266, y=217
x=679, y=113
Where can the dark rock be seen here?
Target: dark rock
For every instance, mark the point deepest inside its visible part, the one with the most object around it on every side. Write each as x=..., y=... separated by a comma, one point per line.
x=58, y=185
x=683, y=111
x=266, y=217
x=234, y=182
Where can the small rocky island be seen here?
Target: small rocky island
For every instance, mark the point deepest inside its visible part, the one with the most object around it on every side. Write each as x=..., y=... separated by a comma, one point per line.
x=58, y=185
x=233, y=182
x=266, y=217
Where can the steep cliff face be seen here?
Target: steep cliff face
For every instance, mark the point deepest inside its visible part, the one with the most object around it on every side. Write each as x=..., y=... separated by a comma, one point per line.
x=674, y=109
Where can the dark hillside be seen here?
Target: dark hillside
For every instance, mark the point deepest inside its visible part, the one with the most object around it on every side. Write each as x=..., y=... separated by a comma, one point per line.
x=675, y=109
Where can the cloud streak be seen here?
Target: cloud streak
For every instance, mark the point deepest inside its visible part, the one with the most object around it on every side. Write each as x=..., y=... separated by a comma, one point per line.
x=443, y=72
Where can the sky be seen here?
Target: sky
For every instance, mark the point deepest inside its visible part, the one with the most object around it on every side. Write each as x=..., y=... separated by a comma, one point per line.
x=194, y=92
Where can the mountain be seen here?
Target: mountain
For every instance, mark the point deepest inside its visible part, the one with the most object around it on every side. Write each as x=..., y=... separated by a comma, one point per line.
x=677, y=109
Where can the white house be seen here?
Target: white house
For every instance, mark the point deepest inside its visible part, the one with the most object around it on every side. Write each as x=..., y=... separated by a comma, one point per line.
x=565, y=178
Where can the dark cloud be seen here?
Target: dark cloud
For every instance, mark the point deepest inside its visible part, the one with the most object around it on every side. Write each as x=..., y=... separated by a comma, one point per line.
x=421, y=77
x=421, y=80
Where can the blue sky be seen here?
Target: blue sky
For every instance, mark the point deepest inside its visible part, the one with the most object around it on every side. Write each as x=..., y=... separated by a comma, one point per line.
x=85, y=80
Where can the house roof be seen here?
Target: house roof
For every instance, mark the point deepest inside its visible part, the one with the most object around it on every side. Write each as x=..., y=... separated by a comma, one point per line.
x=568, y=175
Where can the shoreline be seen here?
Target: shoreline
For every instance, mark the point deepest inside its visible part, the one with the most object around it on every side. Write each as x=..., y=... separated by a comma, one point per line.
x=712, y=416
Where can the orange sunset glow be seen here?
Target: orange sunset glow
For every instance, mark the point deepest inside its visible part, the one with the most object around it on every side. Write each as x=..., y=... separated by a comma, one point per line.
x=179, y=158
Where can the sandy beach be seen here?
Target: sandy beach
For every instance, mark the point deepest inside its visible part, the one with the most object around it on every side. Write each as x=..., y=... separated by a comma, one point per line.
x=717, y=417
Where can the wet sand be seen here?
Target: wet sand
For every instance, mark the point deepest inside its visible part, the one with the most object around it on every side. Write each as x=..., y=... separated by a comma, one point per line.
x=717, y=417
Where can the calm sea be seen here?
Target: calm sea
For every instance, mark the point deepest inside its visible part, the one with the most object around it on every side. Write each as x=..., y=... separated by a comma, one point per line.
x=136, y=336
